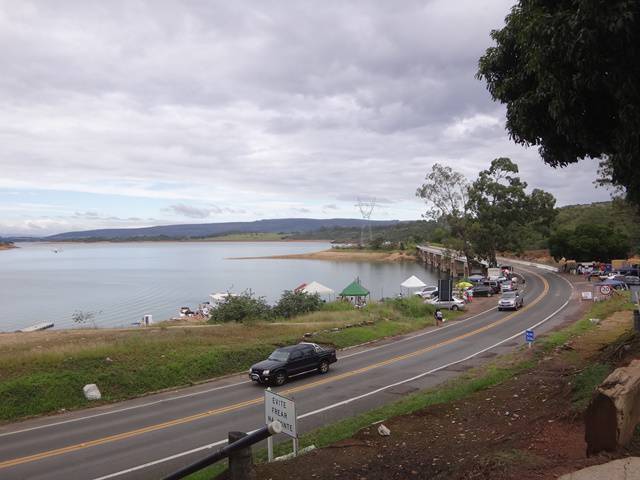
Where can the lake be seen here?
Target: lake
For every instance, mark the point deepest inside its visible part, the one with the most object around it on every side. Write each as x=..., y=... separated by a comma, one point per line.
x=120, y=282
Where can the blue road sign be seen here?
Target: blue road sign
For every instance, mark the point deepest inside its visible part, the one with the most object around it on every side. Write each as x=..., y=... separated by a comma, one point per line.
x=529, y=336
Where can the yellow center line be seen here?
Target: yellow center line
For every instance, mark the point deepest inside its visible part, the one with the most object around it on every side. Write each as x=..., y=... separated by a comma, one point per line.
x=256, y=401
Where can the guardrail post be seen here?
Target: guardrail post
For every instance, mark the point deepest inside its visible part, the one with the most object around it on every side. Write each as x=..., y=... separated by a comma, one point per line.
x=240, y=461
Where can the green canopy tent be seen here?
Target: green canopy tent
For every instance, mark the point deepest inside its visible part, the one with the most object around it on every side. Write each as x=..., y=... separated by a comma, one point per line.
x=355, y=292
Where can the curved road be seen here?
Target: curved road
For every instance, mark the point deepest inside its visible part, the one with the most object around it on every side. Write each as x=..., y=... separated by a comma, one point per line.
x=151, y=436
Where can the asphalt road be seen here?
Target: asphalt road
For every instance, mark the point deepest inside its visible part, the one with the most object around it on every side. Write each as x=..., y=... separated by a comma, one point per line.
x=151, y=436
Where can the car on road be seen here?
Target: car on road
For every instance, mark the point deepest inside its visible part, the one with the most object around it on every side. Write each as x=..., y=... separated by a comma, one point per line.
x=507, y=286
x=510, y=301
x=454, y=304
x=287, y=362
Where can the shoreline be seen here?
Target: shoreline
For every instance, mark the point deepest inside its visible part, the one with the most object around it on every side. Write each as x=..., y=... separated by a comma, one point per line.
x=7, y=246
x=337, y=255
x=204, y=240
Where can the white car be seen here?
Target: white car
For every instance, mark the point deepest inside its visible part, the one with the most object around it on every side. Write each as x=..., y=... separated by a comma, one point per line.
x=454, y=304
x=427, y=292
x=506, y=286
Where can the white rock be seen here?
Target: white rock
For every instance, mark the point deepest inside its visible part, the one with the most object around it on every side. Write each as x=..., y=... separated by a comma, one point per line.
x=384, y=431
x=91, y=392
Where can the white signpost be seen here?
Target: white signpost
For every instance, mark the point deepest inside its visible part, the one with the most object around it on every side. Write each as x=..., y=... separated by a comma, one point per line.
x=282, y=409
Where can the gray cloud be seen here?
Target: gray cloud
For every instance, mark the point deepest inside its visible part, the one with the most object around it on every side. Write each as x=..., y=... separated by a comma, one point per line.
x=189, y=211
x=207, y=103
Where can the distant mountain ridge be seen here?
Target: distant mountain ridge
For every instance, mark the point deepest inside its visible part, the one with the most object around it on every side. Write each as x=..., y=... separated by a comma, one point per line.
x=203, y=230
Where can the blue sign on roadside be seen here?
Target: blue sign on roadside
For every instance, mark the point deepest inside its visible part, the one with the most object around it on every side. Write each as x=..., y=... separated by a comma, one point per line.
x=529, y=336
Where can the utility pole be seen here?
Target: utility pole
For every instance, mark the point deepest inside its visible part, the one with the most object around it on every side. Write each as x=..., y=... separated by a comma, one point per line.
x=366, y=209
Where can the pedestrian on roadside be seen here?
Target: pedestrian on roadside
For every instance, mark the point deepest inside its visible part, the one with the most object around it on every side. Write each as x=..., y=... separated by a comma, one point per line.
x=439, y=317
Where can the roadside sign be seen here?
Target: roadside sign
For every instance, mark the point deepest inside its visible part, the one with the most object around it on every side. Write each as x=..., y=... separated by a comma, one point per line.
x=282, y=409
x=605, y=289
x=529, y=337
x=587, y=296
x=445, y=289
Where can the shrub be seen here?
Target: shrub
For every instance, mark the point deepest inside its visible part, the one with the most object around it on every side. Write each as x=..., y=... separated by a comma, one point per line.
x=296, y=303
x=338, y=306
x=412, y=306
x=241, y=308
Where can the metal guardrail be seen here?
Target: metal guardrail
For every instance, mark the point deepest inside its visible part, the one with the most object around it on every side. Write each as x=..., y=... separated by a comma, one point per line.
x=240, y=446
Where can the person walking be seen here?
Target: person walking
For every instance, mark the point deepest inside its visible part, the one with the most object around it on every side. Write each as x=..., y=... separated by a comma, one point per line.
x=439, y=317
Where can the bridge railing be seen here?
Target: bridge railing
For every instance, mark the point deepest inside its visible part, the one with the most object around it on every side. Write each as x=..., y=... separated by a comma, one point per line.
x=238, y=450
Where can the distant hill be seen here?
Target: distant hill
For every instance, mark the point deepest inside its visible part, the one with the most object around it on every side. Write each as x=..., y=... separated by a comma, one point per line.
x=299, y=226
x=616, y=213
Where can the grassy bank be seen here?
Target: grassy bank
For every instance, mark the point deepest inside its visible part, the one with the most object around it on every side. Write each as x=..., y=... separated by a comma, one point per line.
x=46, y=372
x=590, y=375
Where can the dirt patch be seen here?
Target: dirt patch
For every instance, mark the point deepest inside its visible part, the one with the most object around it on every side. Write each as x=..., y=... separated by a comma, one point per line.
x=527, y=427
x=344, y=255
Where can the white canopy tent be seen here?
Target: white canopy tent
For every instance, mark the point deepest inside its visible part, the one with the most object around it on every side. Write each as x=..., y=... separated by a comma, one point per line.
x=413, y=282
x=315, y=287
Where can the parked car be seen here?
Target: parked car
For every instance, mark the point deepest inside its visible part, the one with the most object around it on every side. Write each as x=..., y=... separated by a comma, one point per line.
x=287, y=362
x=632, y=280
x=510, y=301
x=482, y=291
x=454, y=304
x=494, y=285
x=428, y=292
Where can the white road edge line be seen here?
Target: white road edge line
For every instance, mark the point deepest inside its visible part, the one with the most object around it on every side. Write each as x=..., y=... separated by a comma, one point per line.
x=202, y=392
x=133, y=407
x=349, y=400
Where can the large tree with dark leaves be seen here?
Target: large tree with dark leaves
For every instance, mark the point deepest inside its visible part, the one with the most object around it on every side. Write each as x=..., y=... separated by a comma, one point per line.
x=569, y=74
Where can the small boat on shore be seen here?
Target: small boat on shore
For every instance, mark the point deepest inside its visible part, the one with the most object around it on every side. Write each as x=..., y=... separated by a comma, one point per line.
x=37, y=327
x=218, y=298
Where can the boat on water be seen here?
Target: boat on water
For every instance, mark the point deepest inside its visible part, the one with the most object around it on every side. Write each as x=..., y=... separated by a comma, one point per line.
x=218, y=298
x=37, y=327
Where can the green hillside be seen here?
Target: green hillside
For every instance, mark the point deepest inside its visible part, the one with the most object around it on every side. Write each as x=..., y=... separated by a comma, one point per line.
x=616, y=214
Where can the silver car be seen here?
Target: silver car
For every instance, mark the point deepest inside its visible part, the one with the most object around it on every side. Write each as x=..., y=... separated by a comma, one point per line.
x=455, y=304
x=510, y=301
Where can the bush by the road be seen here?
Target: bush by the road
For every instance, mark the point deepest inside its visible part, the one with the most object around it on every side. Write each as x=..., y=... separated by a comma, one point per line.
x=241, y=308
x=296, y=303
x=413, y=306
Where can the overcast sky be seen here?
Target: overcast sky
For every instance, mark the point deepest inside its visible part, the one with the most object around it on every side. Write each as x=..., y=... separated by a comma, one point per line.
x=139, y=113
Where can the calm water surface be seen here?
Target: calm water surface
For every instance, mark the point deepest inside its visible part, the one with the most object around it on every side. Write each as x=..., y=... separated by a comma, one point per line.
x=123, y=281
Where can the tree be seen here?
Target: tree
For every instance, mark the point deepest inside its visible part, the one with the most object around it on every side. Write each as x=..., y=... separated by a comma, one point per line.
x=377, y=242
x=292, y=304
x=568, y=74
x=241, y=308
x=446, y=193
x=503, y=211
x=589, y=242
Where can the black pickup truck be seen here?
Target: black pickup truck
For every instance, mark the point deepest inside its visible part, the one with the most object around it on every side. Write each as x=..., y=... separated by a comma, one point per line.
x=287, y=362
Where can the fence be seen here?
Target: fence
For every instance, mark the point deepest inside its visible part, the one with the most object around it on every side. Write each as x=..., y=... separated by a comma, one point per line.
x=238, y=450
